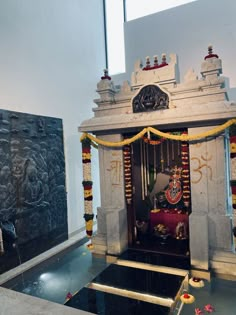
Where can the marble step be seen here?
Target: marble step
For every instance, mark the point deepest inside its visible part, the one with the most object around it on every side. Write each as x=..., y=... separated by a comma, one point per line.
x=157, y=268
x=137, y=289
x=148, y=285
x=131, y=287
x=104, y=303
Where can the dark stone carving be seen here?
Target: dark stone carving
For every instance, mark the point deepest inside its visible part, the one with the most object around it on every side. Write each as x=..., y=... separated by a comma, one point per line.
x=32, y=184
x=150, y=98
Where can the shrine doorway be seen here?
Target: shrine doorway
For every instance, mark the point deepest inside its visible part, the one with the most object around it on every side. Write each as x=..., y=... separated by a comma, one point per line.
x=157, y=187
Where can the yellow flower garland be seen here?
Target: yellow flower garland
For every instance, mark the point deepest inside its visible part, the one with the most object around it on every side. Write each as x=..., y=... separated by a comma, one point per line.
x=166, y=135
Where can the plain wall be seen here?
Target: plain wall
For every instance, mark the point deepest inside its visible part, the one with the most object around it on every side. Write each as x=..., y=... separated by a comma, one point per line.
x=186, y=30
x=51, y=57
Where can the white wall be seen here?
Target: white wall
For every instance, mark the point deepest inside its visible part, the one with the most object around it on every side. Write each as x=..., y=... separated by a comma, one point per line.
x=51, y=57
x=186, y=30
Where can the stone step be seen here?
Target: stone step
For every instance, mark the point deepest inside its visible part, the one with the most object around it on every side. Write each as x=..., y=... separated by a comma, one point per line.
x=158, y=259
x=142, y=287
x=103, y=303
x=153, y=286
x=146, y=266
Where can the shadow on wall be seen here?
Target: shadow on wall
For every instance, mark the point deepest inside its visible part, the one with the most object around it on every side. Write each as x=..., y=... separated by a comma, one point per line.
x=33, y=206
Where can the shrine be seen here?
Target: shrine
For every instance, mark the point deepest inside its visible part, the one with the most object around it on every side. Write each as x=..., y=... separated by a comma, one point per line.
x=166, y=165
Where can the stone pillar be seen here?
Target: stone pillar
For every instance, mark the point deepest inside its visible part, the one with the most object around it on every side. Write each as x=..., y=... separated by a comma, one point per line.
x=210, y=227
x=112, y=231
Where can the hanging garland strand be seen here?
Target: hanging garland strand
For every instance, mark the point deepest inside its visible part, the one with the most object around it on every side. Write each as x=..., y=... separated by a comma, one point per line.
x=183, y=137
x=87, y=184
x=185, y=173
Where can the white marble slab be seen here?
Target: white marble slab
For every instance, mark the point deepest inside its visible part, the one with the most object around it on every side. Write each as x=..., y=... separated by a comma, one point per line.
x=15, y=303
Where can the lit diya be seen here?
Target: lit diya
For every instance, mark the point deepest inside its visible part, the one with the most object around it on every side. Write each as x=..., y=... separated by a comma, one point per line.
x=187, y=298
x=196, y=282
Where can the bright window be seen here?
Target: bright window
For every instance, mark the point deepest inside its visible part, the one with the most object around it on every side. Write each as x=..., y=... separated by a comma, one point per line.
x=136, y=9
x=115, y=36
x=116, y=12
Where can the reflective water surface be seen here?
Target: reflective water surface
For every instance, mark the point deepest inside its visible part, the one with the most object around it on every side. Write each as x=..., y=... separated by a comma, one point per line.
x=69, y=273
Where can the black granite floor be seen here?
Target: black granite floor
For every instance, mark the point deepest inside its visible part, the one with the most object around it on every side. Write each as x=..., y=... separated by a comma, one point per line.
x=140, y=280
x=169, y=245
x=156, y=258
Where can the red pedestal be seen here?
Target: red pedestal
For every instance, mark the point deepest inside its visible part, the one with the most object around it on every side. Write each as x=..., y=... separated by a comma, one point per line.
x=170, y=220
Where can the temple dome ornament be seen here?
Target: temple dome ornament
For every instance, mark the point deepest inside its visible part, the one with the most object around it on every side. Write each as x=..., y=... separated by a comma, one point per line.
x=150, y=98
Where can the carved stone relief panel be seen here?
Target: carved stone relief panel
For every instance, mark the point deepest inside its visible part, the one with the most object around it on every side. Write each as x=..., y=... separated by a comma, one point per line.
x=32, y=183
x=150, y=98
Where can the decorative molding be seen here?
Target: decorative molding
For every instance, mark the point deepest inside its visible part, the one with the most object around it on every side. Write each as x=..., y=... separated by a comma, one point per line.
x=150, y=98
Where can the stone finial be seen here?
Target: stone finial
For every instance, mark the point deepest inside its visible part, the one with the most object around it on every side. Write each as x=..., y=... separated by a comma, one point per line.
x=163, y=61
x=210, y=53
x=211, y=66
x=163, y=56
x=210, y=49
x=105, y=76
x=147, y=62
x=155, y=60
x=105, y=89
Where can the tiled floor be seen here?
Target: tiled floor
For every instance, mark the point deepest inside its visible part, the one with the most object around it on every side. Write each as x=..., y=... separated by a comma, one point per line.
x=73, y=270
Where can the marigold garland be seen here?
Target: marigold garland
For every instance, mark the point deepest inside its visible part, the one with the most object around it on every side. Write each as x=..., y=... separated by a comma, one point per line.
x=166, y=135
x=185, y=172
x=127, y=173
x=87, y=184
x=233, y=164
x=153, y=142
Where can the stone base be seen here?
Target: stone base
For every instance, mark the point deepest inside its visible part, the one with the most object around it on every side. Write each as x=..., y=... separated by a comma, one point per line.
x=99, y=244
x=220, y=232
x=223, y=264
x=117, y=239
x=111, y=259
x=203, y=274
x=198, y=225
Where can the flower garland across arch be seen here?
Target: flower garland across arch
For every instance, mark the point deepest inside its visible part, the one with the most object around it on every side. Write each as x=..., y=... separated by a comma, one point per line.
x=87, y=140
x=166, y=135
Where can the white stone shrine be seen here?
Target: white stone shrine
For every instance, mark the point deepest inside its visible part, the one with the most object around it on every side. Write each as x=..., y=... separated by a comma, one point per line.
x=198, y=105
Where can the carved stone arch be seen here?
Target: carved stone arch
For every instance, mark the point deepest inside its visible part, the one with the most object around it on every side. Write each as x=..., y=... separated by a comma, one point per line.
x=150, y=98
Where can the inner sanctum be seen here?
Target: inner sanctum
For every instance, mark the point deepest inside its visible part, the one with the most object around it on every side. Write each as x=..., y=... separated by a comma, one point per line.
x=157, y=190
